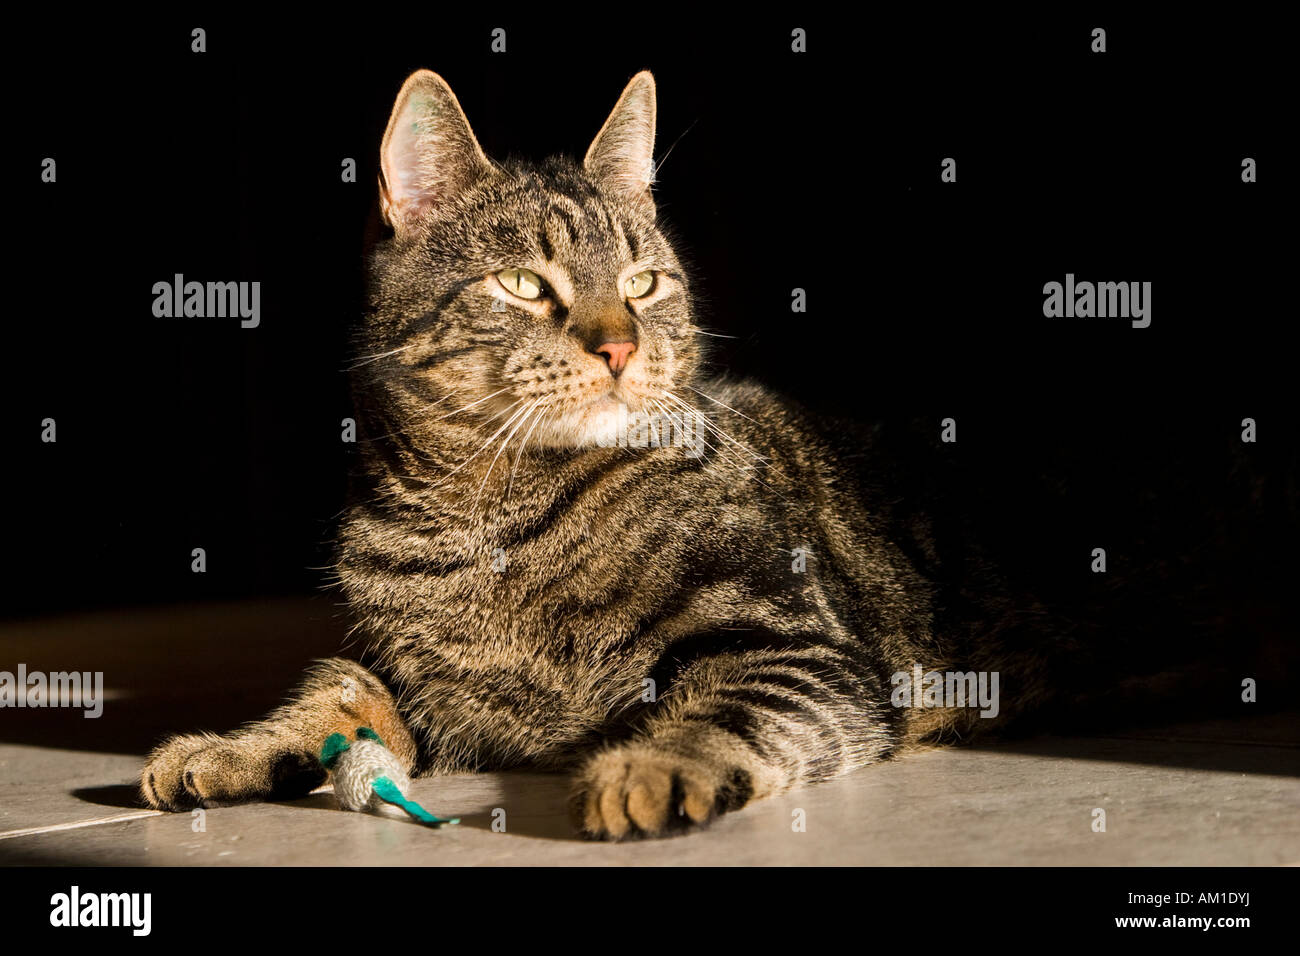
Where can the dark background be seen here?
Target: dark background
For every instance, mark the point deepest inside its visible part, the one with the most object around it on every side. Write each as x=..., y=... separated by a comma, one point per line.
x=819, y=171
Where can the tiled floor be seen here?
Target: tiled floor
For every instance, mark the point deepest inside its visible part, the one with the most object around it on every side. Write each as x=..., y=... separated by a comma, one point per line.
x=1210, y=794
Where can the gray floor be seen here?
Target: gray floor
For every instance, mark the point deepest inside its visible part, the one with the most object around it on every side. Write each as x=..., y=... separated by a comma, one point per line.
x=1225, y=793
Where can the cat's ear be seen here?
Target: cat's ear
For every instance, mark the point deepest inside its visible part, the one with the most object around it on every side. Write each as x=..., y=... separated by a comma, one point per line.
x=429, y=152
x=622, y=154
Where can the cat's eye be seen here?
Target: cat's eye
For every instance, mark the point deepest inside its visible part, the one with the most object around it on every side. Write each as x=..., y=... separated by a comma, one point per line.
x=639, y=284
x=521, y=282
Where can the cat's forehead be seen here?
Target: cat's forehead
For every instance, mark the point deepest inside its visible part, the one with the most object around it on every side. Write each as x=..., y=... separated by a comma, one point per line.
x=557, y=213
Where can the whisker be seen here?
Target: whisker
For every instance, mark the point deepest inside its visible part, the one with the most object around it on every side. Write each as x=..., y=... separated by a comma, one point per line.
x=721, y=434
x=366, y=360
x=479, y=402
x=485, y=445
x=716, y=335
x=717, y=451
x=524, y=444
x=712, y=426
x=716, y=402
x=532, y=407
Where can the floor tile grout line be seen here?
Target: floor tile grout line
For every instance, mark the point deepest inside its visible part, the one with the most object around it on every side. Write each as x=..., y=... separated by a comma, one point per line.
x=56, y=827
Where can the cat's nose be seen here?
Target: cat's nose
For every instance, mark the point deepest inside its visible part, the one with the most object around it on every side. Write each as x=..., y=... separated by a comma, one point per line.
x=616, y=354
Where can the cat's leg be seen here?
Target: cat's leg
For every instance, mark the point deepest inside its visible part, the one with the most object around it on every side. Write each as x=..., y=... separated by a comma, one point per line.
x=746, y=715
x=277, y=757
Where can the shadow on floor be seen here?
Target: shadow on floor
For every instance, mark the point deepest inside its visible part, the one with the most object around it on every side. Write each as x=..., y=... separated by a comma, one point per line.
x=122, y=795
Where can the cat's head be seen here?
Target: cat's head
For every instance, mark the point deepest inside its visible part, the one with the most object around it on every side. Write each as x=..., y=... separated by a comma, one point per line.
x=536, y=297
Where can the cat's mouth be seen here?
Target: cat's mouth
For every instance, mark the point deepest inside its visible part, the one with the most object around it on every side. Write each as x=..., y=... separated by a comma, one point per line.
x=612, y=400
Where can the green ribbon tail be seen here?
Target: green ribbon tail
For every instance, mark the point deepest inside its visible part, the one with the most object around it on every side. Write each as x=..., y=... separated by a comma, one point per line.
x=388, y=792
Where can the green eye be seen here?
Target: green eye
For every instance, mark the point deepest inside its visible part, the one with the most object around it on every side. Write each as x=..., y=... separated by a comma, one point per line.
x=639, y=284
x=521, y=282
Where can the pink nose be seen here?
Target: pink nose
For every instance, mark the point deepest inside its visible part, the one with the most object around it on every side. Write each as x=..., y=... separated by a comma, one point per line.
x=617, y=354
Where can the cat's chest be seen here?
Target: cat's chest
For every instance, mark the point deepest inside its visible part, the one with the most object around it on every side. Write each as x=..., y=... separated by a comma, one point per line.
x=536, y=604
x=534, y=662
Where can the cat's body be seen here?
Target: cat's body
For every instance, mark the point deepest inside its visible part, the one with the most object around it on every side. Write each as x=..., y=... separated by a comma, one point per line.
x=549, y=598
x=685, y=627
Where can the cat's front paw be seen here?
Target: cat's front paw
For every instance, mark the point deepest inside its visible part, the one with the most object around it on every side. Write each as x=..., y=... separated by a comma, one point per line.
x=637, y=789
x=205, y=770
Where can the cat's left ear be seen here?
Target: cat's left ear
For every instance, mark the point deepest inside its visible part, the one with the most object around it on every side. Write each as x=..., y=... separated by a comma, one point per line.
x=429, y=152
x=622, y=154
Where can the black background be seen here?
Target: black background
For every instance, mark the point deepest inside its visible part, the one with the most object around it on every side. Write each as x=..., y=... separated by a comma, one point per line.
x=816, y=170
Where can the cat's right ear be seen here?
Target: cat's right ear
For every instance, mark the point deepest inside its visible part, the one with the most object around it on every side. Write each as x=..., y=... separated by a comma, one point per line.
x=429, y=152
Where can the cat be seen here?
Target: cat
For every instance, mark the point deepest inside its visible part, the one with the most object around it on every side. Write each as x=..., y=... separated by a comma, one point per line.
x=684, y=627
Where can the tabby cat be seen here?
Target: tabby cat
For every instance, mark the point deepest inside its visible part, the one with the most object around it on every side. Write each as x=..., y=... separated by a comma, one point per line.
x=684, y=627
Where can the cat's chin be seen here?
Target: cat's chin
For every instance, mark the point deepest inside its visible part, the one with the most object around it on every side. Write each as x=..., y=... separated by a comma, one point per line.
x=597, y=425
